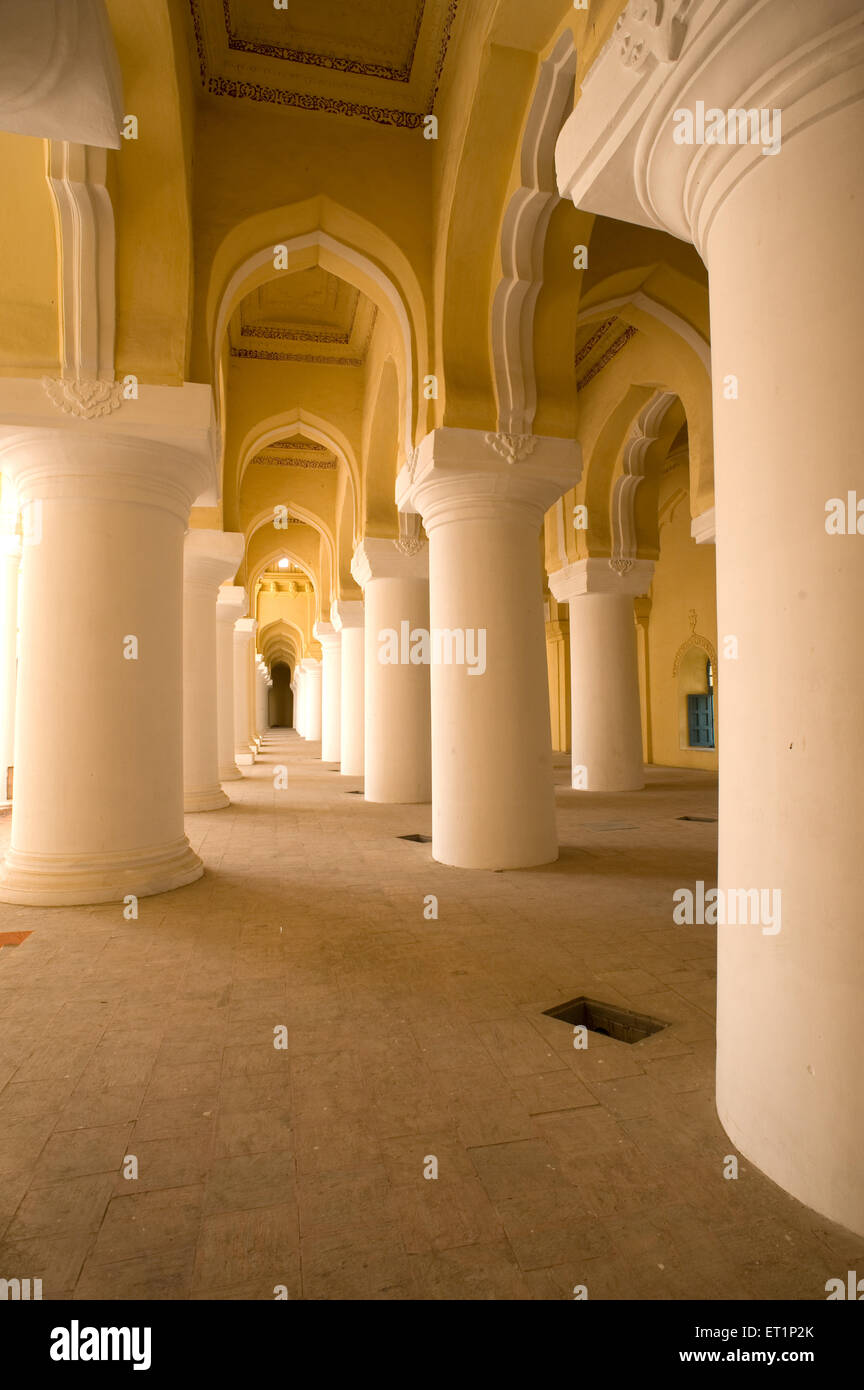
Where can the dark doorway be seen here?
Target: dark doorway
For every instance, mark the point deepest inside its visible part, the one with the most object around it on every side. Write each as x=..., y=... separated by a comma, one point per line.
x=281, y=697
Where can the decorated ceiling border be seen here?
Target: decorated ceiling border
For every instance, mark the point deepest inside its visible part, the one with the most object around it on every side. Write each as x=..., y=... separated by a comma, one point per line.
x=325, y=60
x=334, y=106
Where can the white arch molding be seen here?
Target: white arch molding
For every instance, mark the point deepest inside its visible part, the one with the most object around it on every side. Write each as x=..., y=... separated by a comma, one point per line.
x=315, y=243
x=639, y=300
x=523, y=235
x=644, y=433
x=289, y=423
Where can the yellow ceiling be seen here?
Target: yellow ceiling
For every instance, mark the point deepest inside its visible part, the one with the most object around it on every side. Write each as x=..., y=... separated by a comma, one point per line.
x=379, y=61
x=309, y=316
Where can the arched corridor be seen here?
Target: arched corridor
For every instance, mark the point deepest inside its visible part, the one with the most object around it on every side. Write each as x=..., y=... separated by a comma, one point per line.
x=280, y=712
x=429, y=551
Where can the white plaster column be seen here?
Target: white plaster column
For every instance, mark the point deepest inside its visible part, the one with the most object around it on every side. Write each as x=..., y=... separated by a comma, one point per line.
x=98, y=802
x=10, y=561
x=294, y=698
x=209, y=557
x=331, y=691
x=262, y=685
x=312, y=699
x=780, y=233
x=300, y=711
x=244, y=637
x=397, y=729
x=482, y=498
x=606, y=717
x=347, y=618
x=230, y=605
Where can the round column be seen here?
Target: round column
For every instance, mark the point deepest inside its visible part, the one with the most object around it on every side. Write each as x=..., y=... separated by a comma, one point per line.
x=295, y=688
x=230, y=604
x=791, y=786
x=312, y=700
x=209, y=557
x=331, y=691
x=347, y=618
x=10, y=562
x=262, y=720
x=244, y=636
x=300, y=710
x=482, y=498
x=774, y=211
x=98, y=804
x=397, y=732
x=606, y=718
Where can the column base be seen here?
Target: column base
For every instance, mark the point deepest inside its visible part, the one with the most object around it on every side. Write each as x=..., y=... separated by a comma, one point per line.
x=244, y=759
x=208, y=799
x=424, y=800
x=231, y=773
x=77, y=880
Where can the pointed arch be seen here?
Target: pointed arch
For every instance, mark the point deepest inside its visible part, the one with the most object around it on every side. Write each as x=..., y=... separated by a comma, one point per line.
x=321, y=232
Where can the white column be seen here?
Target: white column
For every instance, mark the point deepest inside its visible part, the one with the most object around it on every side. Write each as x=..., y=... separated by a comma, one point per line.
x=209, y=557
x=10, y=561
x=787, y=340
x=397, y=727
x=482, y=498
x=331, y=691
x=295, y=691
x=312, y=699
x=98, y=804
x=262, y=676
x=606, y=717
x=231, y=603
x=347, y=617
x=300, y=713
x=244, y=635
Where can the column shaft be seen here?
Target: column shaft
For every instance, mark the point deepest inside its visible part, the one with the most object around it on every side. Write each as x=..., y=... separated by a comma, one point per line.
x=397, y=729
x=10, y=560
x=606, y=716
x=209, y=557
x=98, y=805
x=331, y=691
x=244, y=633
x=789, y=593
x=482, y=498
x=230, y=605
x=312, y=700
x=348, y=618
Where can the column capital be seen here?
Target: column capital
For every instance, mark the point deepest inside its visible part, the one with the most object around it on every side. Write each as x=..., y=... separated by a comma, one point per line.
x=703, y=528
x=326, y=634
x=244, y=629
x=460, y=474
x=209, y=557
x=597, y=576
x=345, y=613
x=310, y=663
x=159, y=448
x=666, y=124
x=376, y=558
x=231, y=603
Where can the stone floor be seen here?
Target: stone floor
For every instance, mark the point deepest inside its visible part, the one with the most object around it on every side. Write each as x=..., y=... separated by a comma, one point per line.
x=406, y=1038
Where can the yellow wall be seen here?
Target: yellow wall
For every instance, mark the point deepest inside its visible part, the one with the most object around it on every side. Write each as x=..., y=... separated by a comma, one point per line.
x=684, y=580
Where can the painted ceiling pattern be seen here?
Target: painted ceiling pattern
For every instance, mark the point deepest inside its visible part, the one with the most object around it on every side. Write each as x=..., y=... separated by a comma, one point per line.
x=380, y=60
x=308, y=316
x=297, y=452
x=597, y=344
